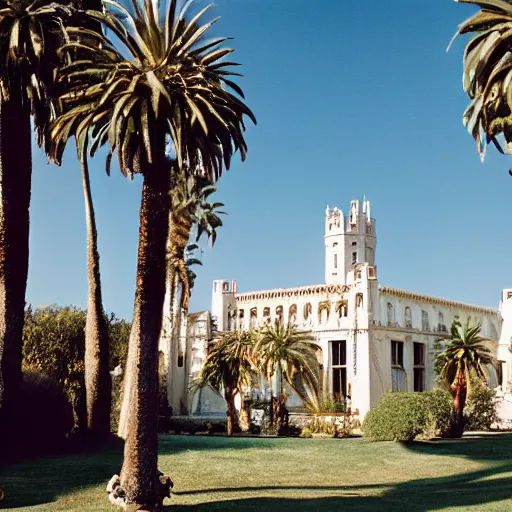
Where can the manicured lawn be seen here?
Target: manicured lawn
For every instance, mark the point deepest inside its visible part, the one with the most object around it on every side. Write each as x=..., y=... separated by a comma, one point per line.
x=289, y=475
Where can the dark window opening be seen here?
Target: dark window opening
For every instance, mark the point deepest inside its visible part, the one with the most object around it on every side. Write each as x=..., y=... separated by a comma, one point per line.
x=397, y=353
x=419, y=367
x=339, y=368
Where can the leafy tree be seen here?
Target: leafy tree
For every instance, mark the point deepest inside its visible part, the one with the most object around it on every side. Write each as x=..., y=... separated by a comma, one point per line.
x=160, y=82
x=30, y=34
x=119, y=336
x=53, y=344
x=290, y=354
x=229, y=368
x=487, y=74
x=465, y=355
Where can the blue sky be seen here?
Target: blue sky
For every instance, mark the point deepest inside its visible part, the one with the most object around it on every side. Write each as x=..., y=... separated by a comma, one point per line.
x=352, y=98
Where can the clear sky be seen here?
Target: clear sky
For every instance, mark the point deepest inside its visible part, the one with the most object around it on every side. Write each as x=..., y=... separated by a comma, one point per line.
x=352, y=97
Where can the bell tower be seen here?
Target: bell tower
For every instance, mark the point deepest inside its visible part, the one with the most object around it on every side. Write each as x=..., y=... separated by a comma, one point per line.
x=348, y=240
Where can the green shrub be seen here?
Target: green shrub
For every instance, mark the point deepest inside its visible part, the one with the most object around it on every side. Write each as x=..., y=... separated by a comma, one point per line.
x=440, y=411
x=480, y=410
x=321, y=426
x=403, y=416
x=116, y=403
x=290, y=431
x=306, y=433
x=192, y=426
x=43, y=421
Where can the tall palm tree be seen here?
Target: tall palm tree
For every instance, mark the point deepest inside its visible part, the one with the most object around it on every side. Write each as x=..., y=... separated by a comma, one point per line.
x=466, y=354
x=487, y=74
x=30, y=33
x=229, y=368
x=189, y=207
x=98, y=386
x=160, y=82
x=287, y=353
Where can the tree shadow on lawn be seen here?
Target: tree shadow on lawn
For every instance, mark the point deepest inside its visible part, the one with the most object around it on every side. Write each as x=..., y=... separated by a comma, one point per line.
x=478, y=446
x=477, y=488
x=417, y=495
x=30, y=482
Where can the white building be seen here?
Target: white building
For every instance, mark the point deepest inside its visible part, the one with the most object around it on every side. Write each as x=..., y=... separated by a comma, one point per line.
x=373, y=338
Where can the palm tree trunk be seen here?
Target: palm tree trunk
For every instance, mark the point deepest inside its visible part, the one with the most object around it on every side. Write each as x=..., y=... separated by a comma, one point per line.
x=180, y=228
x=459, y=402
x=139, y=474
x=231, y=412
x=98, y=386
x=15, y=190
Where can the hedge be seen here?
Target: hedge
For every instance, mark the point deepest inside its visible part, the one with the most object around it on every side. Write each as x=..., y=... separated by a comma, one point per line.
x=404, y=416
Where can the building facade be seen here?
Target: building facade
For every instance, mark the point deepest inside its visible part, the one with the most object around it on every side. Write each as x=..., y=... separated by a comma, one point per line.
x=373, y=338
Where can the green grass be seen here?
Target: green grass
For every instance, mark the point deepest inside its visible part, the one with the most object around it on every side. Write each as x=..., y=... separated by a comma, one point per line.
x=220, y=474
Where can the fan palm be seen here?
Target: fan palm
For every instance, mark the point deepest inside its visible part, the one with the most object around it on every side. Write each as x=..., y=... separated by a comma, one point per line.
x=229, y=367
x=168, y=84
x=30, y=33
x=286, y=352
x=487, y=74
x=466, y=354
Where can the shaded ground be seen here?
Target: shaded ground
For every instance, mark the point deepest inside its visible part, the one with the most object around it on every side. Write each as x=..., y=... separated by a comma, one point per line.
x=221, y=474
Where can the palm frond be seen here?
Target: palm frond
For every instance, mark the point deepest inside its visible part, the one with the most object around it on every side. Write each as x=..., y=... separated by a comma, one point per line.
x=487, y=74
x=172, y=84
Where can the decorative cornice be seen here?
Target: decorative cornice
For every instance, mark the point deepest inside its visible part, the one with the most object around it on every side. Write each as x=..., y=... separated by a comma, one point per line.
x=436, y=300
x=301, y=291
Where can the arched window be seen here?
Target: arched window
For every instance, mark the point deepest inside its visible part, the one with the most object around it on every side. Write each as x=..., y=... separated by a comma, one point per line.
x=391, y=314
x=292, y=314
x=324, y=308
x=342, y=308
x=279, y=314
x=241, y=320
x=307, y=310
x=425, y=325
x=359, y=300
x=253, y=317
x=441, y=326
x=408, y=317
x=266, y=315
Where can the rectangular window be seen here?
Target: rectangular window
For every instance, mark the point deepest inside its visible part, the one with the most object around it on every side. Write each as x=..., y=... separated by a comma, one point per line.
x=419, y=367
x=354, y=258
x=339, y=368
x=397, y=353
x=398, y=377
x=335, y=261
x=499, y=372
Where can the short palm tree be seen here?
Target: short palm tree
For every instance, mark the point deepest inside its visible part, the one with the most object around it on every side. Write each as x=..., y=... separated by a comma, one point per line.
x=30, y=33
x=488, y=74
x=160, y=82
x=465, y=355
x=285, y=352
x=229, y=368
